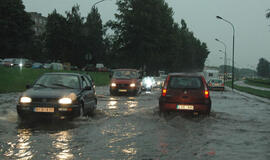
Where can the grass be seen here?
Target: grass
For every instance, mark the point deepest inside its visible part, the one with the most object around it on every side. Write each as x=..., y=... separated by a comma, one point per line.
x=15, y=80
x=258, y=82
x=256, y=92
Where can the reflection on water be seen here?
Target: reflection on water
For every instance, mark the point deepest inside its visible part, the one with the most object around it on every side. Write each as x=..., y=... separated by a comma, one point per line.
x=112, y=104
x=22, y=148
x=132, y=104
x=61, y=143
x=121, y=139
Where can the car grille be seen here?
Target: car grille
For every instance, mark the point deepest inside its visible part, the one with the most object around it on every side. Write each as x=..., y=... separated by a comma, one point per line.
x=122, y=85
x=44, y=100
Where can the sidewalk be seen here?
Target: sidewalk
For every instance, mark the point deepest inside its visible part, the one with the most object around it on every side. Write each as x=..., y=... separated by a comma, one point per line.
x=243, y=84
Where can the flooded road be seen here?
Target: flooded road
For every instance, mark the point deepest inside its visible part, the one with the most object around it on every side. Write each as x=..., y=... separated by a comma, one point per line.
x=132, y=128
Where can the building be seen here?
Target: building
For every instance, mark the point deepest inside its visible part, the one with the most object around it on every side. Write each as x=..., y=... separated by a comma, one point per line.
x=40, y=22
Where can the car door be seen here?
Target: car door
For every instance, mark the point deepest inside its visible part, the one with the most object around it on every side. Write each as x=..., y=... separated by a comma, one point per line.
x=88, y=94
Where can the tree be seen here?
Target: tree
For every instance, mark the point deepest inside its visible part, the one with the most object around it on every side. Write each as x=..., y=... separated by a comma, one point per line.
x=268, y=14
x=146, y=36
x=15, y=29
x=143, y=32
x=193, y=52
x=94, y=33
x=75, y=45
x=56, y=33
x=263, y=68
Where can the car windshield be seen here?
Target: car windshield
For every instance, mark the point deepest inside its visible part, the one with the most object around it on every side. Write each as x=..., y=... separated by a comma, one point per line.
x=125, y=74
x=58, y=81
x=185, y=82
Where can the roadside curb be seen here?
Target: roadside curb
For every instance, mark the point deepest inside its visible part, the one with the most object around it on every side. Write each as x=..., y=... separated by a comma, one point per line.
x=265, y=100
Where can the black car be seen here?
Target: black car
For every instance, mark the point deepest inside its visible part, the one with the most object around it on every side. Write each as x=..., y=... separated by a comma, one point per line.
x=58, y=95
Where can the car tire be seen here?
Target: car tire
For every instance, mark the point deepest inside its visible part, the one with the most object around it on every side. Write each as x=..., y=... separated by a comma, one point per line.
x=82, y=112
x=21, y=115
x=112, y=93
x=92, y=110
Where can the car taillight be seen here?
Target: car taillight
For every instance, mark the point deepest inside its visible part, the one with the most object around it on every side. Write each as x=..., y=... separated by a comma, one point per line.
x=164, y=92
x=206, y=94
x=222, y=84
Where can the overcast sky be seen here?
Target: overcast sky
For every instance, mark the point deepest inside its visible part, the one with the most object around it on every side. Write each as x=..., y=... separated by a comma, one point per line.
x=252, y=39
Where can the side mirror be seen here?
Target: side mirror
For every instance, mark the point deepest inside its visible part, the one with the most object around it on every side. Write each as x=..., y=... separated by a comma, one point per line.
x=28, y=86
x=87, y=88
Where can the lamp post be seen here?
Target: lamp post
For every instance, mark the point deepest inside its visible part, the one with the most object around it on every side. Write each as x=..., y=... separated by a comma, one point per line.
x=94, y=5
x=225, y=58
x=218, y=17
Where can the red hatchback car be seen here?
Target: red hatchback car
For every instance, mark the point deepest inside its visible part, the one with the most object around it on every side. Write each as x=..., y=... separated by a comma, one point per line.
x=186, y=92
x=125, y=81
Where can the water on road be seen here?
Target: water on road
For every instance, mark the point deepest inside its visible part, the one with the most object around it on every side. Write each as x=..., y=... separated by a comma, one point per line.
x=132, y=128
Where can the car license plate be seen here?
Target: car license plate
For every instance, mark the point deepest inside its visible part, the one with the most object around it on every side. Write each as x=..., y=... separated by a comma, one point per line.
x=41, y=109
x=185, y=107
x=122, y=90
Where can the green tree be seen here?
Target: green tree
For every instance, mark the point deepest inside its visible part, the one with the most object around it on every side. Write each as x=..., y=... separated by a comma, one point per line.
x=55, y=37
x=15, y=29
x=146, y=36
x=193, y=52
x=75, y=38
x=94, y=33
x=263, y=68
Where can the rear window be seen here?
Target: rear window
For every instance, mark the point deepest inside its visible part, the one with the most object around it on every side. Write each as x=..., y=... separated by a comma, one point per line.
x=216, y=81
x=185, y=82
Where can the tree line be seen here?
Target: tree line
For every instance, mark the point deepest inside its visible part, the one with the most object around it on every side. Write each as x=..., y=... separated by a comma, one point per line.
x=263, y=68
x=143, y=35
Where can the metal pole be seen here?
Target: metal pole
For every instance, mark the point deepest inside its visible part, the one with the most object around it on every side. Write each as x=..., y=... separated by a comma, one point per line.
x=233, y=61
x=225, y=59
x=94, y=5
x=218, y=17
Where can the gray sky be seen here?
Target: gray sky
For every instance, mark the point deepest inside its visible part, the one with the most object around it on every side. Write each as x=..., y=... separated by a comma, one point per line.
x=252, y=39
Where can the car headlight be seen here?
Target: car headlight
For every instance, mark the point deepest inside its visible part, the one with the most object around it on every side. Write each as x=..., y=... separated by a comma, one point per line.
x=20, y=65
x=132, y=85
x=65, y=101
x=113, y=84
x=25, y=100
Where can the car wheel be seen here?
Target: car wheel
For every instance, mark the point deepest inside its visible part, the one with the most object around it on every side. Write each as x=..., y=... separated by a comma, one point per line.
x=92, y=110
x=21, y=115
x=82, y=111
x=208, y=111
x=112, y=93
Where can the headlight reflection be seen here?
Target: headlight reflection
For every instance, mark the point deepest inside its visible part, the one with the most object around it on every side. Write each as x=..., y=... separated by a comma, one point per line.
x=112, y=104
x=62, y=143
x=22, y=148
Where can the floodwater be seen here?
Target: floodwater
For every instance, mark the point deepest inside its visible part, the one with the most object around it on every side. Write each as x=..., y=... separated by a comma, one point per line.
x=132, y=128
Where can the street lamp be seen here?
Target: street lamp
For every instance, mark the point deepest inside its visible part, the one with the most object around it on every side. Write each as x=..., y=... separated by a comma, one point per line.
x=218, y=17
x=94, y=5
x=225, y=58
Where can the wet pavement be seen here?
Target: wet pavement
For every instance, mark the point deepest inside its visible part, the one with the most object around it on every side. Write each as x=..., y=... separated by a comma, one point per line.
x=131, y=128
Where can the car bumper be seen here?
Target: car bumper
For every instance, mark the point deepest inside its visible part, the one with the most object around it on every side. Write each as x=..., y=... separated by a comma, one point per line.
x=203, y=108
x=124, y=90
x=29, y=112
x=217, y=88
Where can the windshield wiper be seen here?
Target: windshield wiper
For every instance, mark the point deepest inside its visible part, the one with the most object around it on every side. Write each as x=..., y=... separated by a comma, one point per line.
x=42, y=85
x=61, y=85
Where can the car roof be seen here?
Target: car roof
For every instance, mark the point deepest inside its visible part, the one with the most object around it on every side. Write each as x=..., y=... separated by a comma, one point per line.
x=64, y=73
x=196, y=74
x=125, y=69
